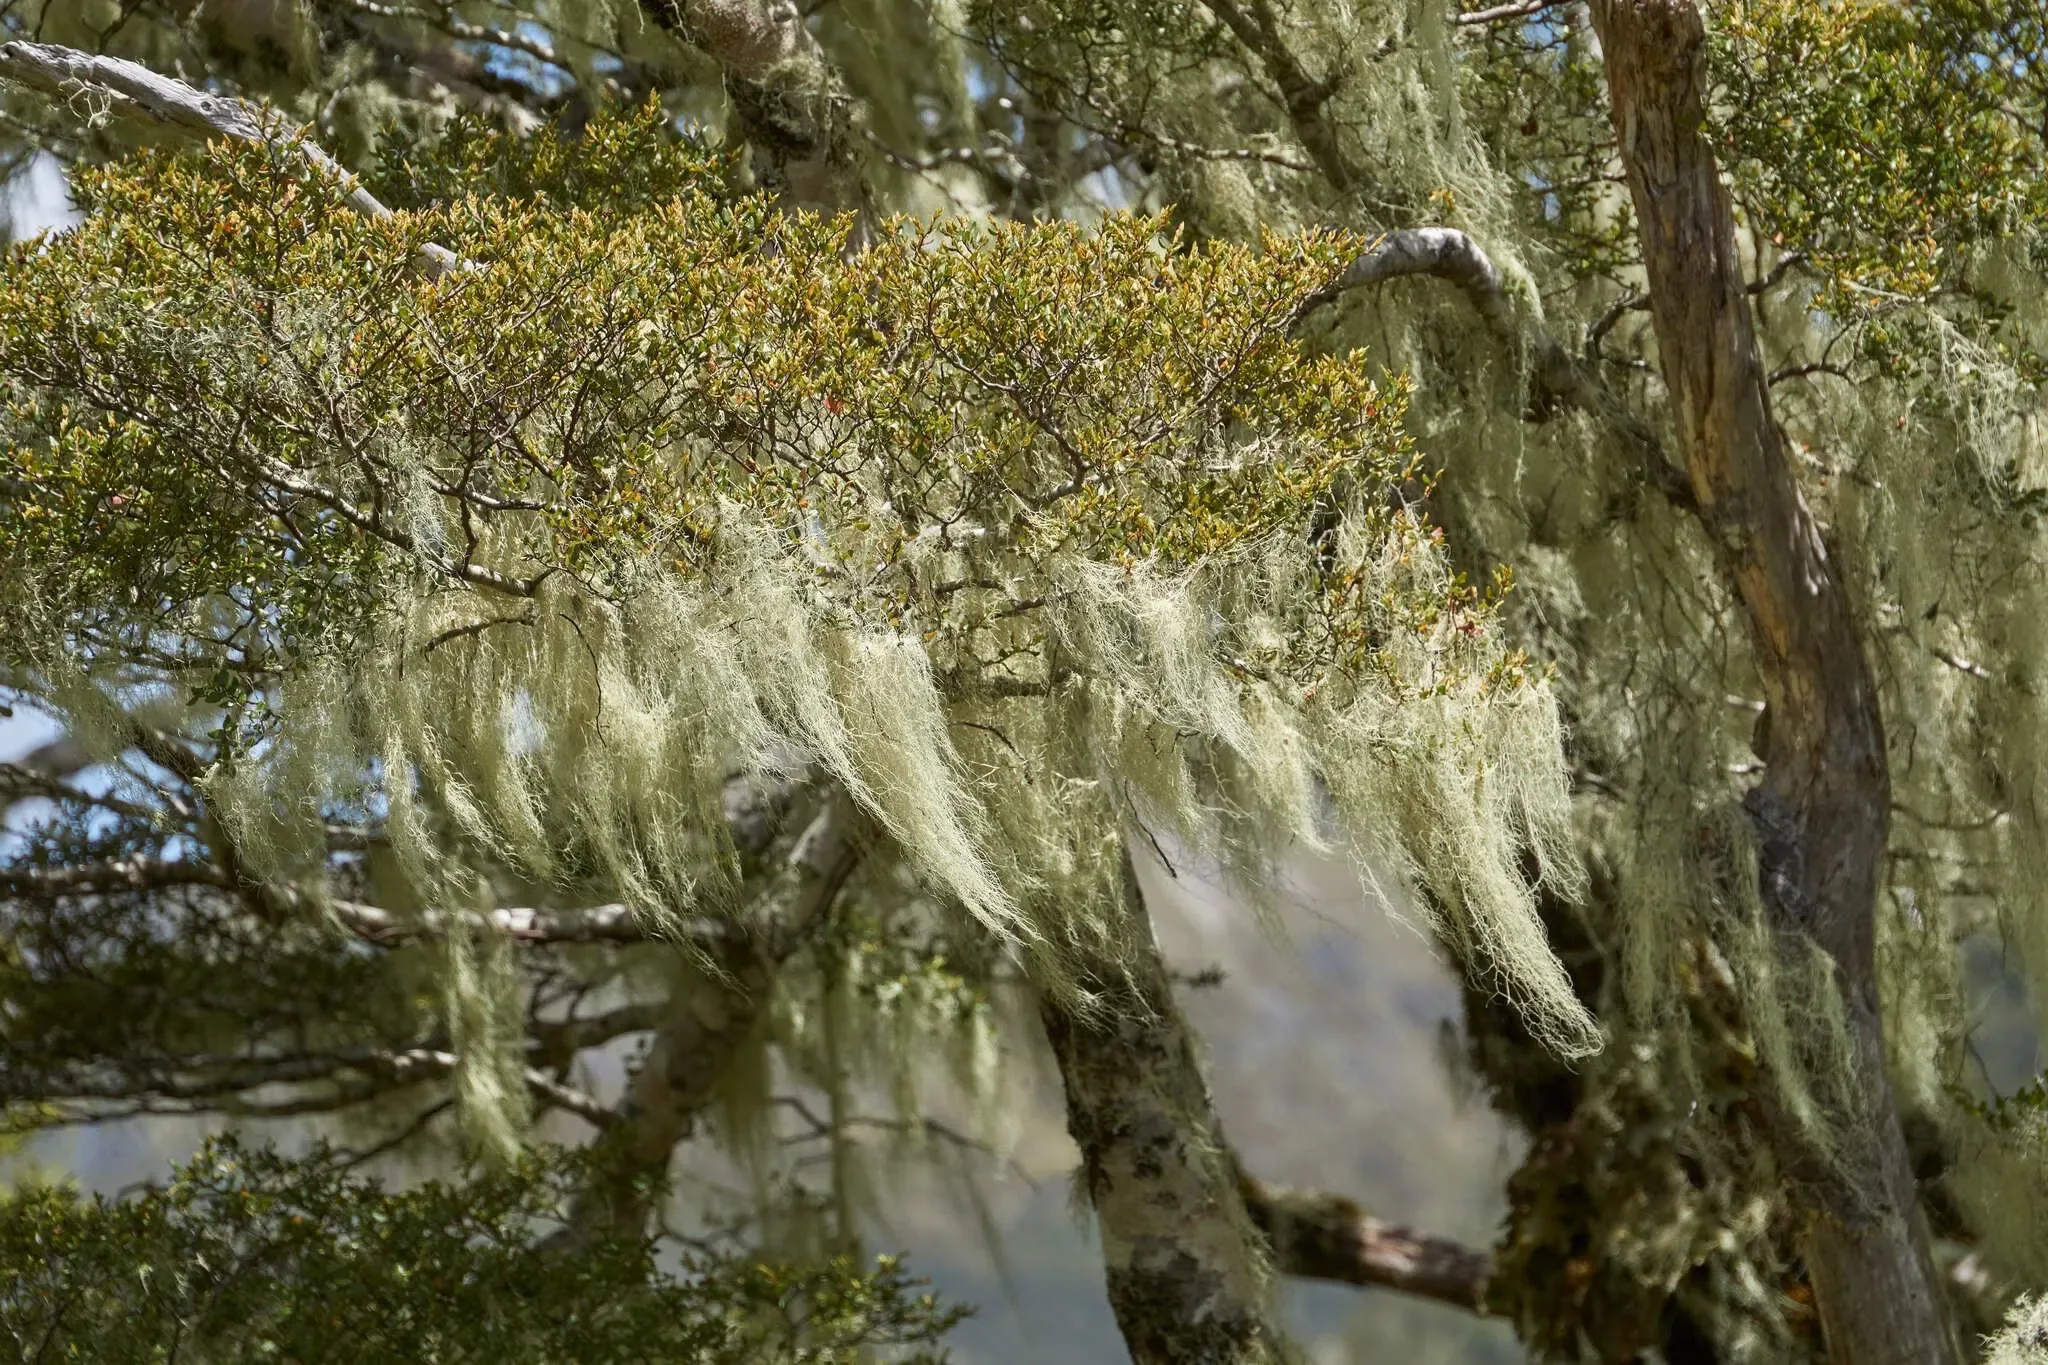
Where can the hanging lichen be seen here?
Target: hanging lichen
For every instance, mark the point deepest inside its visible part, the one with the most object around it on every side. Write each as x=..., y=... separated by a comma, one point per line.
x=1010, y=531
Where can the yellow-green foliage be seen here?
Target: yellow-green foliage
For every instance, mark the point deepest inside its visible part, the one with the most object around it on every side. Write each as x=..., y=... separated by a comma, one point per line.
x=1884, y=139
x=1020, y=533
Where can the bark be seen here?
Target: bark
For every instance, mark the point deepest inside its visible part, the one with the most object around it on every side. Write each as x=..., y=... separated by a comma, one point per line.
x=789, y=101
x=1321, y=1236
x=1306, y=98
x=1822, y=809
x=1185, y=1268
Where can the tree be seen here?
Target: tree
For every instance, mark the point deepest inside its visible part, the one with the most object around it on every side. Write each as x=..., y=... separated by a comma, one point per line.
x=509, y=534
x=1687, y=413
x=253, y=1256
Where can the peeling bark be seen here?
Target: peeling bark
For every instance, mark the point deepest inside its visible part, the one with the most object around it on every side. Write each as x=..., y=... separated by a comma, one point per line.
x=1822, y=810
x=1186, y=1272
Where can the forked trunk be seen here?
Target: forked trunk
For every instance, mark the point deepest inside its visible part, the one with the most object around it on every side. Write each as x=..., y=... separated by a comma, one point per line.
x=1186, y=1269
x=1823, y=808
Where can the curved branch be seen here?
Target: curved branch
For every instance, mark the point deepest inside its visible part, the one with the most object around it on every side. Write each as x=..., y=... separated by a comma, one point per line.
x=1445, y=253
x=1557, y=378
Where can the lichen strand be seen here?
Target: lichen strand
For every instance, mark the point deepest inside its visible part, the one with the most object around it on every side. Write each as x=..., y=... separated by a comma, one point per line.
x=1887, y=163
x=1010, y=531
x=2024, y=1339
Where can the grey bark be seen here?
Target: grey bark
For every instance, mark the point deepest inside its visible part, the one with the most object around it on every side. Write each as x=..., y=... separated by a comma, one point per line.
x=1186, y=1270
x=1822, y=809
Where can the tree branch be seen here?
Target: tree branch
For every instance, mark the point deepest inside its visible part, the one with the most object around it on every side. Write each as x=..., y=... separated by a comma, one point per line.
x=615, y=923
x=703, y=1026
x=1322, y=1236
x=789, y=99
x=1557, y=378
x=120, y=874
x=1523, y=9
x=1306, y=98
x=384, y=1069
x=132, y=89
x=1447, y=254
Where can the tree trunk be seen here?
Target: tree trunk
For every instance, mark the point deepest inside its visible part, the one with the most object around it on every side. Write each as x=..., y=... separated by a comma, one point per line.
x=708, y=1020
x=1185, y=1267
x=1823, y=808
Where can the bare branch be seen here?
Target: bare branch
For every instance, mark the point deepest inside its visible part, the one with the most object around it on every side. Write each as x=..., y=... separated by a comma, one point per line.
x=615, y=923
x=381, y=1070
x=19, y=782
x=120, y=874
x=130, y=88
x=1307, y=98
x=1558, y=379
x=1789, y=372
x=558, y=1040
x=449, y=21
x=62, y=757
x=1522, y=9
x=1327, y=1237
x=1446, y=253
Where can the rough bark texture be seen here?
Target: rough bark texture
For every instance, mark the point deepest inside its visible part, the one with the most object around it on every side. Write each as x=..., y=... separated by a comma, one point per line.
x=1822, y=810
x=1185, y=1269
x=789, y=101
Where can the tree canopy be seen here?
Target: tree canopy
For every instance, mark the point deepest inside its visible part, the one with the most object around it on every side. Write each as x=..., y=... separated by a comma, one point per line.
x=756, y=514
